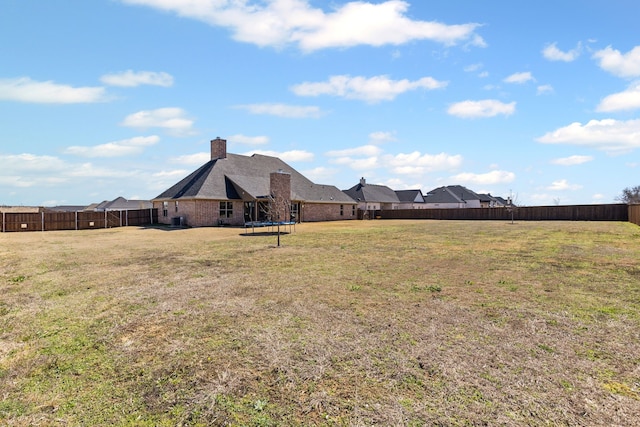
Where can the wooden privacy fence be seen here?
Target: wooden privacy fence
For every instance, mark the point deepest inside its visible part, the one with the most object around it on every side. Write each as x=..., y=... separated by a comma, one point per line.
x=634, y=214
x=610, y=212
x=49, y=221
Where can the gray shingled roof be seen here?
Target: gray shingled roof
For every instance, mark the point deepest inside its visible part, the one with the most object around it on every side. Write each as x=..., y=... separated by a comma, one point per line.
x=248, y=178
x=120, y=203
x=372, y=193
x=451, y=194
x=414, y=196
x=442, y=195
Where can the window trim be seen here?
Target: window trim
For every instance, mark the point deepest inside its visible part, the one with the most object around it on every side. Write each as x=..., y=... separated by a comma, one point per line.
x=226, y=209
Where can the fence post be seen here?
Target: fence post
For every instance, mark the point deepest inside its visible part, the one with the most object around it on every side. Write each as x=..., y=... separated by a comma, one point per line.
x=42, y=221
x=105, y=218
x=3, y=221
x=76, y=212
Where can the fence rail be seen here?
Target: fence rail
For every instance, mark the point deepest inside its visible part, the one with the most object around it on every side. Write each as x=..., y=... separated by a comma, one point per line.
x=610, y=212
x=50, y=221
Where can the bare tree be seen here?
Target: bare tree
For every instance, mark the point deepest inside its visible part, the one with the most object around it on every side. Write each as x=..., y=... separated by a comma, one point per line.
x=277, y=211
x=512, y=205
x=630, y=195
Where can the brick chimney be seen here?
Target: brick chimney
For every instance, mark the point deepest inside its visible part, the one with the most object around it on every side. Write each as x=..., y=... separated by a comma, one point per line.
x=280, y=187
x=218, y=148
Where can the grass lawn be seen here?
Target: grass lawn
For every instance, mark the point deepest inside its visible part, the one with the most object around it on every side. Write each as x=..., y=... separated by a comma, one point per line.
x=352, y=323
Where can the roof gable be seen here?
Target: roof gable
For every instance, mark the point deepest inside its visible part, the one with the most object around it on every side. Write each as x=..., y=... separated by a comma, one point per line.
x=451, y=194
x=414, y=196
x=250, y=187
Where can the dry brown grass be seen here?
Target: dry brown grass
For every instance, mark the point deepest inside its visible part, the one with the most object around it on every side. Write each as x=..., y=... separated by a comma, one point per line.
x=348, y=323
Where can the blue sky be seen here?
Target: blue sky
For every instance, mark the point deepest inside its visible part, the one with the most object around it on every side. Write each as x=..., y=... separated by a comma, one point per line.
x=108, y=98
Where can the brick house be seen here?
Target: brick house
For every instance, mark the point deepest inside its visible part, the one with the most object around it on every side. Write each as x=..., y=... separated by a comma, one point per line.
x=232, y=189
x=372, y=198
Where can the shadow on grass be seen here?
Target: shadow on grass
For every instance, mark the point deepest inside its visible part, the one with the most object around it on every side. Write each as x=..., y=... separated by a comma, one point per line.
x=163, y=227
x=263, y=233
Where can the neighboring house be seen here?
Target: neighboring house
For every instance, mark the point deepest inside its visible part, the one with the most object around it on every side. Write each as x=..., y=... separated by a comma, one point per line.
x=452, y=196
x=372, y=197
x=411, y=199
x=489, y=201
x=120, y=204
x=232, y=189
x=117, y=204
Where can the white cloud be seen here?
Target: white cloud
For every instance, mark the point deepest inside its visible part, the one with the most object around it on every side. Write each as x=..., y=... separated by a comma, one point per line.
x=610, y=135
x=171, y=119
x=483, y=108
x=562, y=185
x=365, y=151
x=552, y=53
x=287, y=156
x=30, y=163
x=124, y=147
x=365, y=157
x=628, y=99
x=473, y=67
x=248, y=140
x=544, y=89
x=572, y=160
x=29, y=170
x=176, y=173
x=295, y=22
x=365, y=163
x=132, y=78
x=489, y=178
x=418, y=163
x=381, y=137
x=369, y=157
x=283, y=110
x=89, y=170
x=320, y=174
x=15, y=181
x=622, y=65
x=519, y=78
x=192, y=159
x=24, y=89
x=373, y=89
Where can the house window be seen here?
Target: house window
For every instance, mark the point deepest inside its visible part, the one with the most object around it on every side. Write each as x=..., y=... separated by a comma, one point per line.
x=341, y=210
x=353, y=210
x=176, y=206
x=165, y=208
x=226, y=209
